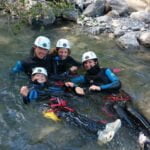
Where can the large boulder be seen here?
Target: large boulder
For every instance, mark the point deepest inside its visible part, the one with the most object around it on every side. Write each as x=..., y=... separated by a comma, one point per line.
x=128, y=42
x=81, y=4
x=144, y=38
x=127, y=24
x=138, y=5
x=45, y=17
x=118, y=5
x=95, y=9
x=143, y=16
x=71, y=15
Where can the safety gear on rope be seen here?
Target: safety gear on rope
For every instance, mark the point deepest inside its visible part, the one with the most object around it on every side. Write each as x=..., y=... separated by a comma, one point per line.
x=58, y=104
x=122, y=96
x=63, y=43
x=43, y=42
x=88, y=55
x=40, y=70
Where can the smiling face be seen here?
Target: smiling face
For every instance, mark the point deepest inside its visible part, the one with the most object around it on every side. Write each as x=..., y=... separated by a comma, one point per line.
x=63, y=53
x=40, y=78
x=89, y=64
x=40, y=52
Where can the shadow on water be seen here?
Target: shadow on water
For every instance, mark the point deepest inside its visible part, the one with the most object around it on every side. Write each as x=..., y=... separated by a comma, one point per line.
x=24, y=128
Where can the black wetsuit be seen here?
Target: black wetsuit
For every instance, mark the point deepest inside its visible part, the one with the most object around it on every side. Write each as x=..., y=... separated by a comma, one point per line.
x=62, y=66
x=31, y=62
x=81, y=121
x=42, y=91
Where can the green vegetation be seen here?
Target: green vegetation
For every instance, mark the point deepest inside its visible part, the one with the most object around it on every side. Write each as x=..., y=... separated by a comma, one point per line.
x=21, y=13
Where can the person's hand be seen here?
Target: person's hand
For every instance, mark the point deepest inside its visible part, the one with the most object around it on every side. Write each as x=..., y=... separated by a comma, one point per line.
x=79, y=91
x=94, y=88
x=69, y=84
x=73, y=69
x=24, y=91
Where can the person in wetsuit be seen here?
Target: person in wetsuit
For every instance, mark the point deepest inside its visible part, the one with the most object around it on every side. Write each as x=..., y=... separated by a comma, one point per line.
x=39, y=89
x=38, y=57
x=62, y=62
x=96, y=78
x=104, y=80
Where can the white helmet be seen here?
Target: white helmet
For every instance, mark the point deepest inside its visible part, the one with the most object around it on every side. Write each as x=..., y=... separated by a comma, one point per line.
x=63, y=43
x=39, y=70
x=88, y=55
x=43, y=42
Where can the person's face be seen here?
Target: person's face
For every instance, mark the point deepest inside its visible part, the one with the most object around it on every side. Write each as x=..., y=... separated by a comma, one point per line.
x=40, y=78
x=40, y=52
x=63, y=53
x=89, y=64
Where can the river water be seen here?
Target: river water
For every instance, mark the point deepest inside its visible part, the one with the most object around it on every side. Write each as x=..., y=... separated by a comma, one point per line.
x=24, y=128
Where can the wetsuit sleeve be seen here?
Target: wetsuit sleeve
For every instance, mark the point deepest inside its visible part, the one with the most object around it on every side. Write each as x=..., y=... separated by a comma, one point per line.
x=18, y=67
x=33, y=95
x=78, y=79
x=115, y=82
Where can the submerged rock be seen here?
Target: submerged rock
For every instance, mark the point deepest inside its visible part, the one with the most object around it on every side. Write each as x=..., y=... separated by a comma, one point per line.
x=128, y=42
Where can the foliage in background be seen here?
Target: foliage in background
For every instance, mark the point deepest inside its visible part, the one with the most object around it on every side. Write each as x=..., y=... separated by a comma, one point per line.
x=20, y=13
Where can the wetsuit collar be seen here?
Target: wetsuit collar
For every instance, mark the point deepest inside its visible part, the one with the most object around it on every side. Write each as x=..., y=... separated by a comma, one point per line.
x=94, y=70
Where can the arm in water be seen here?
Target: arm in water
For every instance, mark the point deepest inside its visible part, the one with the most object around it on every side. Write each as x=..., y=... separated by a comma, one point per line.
x=73, y=84
x=28, y=95
x=115, y=82
x=36, y=93
x=17, y=68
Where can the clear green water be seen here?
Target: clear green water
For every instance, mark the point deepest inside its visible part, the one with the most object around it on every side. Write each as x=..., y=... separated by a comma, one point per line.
x=24, y=128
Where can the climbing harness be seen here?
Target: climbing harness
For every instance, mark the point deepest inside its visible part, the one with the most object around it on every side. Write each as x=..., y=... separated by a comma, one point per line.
x=121, y=96
x=58, y=104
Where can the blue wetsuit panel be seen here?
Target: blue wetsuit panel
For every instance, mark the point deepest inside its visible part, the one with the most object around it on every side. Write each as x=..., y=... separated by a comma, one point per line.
x=78, y=79
x=115, y=82
x=33, y=95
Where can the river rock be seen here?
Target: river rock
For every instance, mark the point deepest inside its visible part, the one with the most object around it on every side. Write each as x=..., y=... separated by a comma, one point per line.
x=144, y=38
x=71, y=15
x=138, y=5
x=118, y=32
x=102, y=19
x=95, y=30
x=45, y=19
x=127, y=24
x=113, y=14
x=95, y=9
x=118, y=5
x=129, y=42
x=82, y=4
x=142, y=16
